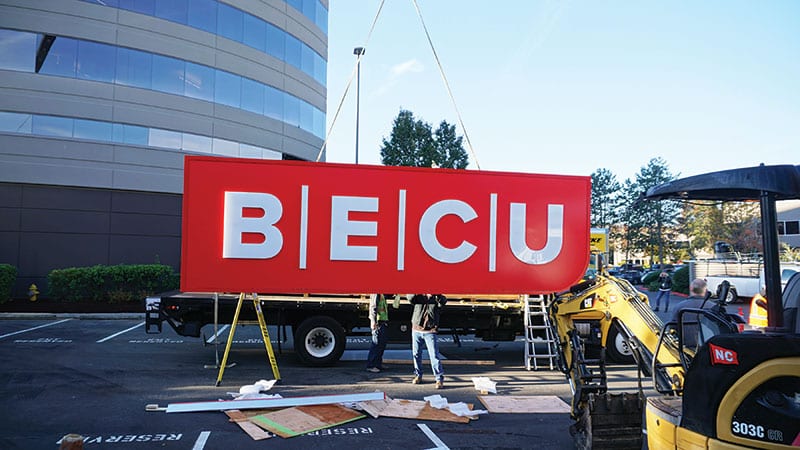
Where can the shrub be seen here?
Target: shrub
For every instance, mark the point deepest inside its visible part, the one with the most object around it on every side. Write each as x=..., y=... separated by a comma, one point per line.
x=8, y=276
x=680, y=280
x=112, y=284
x=651, y=280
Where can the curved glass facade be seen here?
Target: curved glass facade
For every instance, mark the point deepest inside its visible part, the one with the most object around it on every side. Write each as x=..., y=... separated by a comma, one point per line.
x=119, y=133
x=225, y=20
x=100, y=101
x=75, y=58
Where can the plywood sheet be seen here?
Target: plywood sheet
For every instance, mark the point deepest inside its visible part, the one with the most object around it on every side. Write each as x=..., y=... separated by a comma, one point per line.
x=410, y=409
x=251, y=429
x=300, y=420
x=523, y=404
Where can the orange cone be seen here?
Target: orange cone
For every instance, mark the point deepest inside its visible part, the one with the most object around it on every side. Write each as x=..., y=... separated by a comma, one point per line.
x=741, y=312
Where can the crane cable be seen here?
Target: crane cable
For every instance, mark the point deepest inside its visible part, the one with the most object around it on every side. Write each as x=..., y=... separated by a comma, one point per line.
x=447, y=85
x=349, y=83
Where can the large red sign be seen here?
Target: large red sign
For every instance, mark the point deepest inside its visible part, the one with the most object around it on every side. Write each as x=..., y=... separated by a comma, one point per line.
x=296, y=227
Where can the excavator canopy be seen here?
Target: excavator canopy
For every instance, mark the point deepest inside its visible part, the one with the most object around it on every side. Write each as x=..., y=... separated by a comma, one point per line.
x=733, y=185
x=763, y=183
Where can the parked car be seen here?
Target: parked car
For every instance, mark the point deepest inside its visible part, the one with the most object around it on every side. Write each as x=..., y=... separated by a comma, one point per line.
x=633, y=276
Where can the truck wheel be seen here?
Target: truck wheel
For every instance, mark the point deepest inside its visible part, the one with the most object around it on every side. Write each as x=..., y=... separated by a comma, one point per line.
x=617, y=346
x=732, y=297
x=319, y=341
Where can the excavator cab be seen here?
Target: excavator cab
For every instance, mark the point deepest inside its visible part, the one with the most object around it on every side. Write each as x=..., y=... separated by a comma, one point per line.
x=740, y=389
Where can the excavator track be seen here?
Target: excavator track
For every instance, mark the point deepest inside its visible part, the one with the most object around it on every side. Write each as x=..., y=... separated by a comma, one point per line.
x=610, y=421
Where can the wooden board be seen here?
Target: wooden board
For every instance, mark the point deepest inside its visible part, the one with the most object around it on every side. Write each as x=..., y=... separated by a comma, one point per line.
x=300, y=420
x=410, y=409
x=523, y=404
x=250, y=428
x=447, y=362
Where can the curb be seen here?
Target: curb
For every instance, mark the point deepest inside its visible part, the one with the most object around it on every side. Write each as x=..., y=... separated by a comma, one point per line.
x=80, y=316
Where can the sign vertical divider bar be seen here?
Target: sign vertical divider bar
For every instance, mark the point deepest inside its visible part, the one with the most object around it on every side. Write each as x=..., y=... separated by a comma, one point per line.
x=303, y=225
x=492, y=232
x=401, y=231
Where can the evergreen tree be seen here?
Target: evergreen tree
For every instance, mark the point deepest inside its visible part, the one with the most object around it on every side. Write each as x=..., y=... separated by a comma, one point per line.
x=413, y=143
x=605, y=198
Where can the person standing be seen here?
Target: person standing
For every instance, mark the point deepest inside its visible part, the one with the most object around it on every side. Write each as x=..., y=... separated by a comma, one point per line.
x=379, y=323
x=424, y=329
x=698, y=290
x=698, y=299
x=664, y=288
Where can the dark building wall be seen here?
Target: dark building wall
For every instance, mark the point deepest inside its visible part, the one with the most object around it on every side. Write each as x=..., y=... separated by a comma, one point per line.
x=52, y=227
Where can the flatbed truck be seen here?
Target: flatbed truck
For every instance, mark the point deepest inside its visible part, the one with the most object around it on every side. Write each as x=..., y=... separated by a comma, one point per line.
x=321, y=323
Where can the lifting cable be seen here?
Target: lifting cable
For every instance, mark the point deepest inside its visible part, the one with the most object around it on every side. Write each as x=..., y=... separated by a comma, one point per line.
x=441, y=72
x=349, y=82
x=447, y=86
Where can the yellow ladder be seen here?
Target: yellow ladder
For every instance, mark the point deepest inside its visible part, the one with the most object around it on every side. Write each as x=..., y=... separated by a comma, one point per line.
x=264, y=334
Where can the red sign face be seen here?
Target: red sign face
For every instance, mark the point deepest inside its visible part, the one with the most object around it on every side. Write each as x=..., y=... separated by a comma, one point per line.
x=296, y=227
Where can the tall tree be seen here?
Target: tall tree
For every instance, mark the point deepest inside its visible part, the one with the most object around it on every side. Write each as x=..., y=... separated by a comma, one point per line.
x=413, y=143
x=653, y=221
x=733, y=222
x=450, y=152
x=605, y=198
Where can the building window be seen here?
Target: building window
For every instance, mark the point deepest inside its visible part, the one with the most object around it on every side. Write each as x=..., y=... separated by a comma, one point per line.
x=225, y=20
x=789, y=227
x=74, y=58
x=17, y=50
x=96, y=130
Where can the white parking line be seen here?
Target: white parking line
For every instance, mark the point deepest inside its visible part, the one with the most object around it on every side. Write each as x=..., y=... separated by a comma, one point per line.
x=211, y=339
x=439, y=444
x=200, y=443
x=34, y=328
x=121, y=332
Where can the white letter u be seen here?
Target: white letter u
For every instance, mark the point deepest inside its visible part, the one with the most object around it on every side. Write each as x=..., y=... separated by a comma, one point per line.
x=555, y=235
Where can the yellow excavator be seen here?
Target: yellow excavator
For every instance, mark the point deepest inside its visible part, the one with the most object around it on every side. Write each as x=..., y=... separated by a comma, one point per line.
x=718, y=387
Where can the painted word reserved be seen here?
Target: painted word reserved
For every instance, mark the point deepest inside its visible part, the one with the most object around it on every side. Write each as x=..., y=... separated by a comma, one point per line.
x=271, y=226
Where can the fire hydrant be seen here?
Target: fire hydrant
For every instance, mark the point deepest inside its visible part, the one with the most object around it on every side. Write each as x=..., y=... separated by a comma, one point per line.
x=33, y=292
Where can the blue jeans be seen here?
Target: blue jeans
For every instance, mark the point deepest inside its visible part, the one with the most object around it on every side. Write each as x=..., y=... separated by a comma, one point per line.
x=380, y=336
x=658, y=300
x=417, y=338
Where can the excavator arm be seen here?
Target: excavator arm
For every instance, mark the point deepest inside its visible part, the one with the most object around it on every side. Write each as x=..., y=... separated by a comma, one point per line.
x=607, y=306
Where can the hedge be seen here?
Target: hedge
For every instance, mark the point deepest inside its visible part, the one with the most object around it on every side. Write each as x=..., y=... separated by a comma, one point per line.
x=680, y=280
x=112, y=284
x=8, y=276
x=651, y=280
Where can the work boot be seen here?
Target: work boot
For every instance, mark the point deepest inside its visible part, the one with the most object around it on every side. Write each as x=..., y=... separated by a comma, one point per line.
x=439, y=384
x=416, y=380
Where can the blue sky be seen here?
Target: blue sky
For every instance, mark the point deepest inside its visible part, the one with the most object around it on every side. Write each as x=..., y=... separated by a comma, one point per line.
x=568, y=87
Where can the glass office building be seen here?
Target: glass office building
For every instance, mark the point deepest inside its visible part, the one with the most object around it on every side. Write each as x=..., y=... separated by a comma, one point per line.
x=101, y=99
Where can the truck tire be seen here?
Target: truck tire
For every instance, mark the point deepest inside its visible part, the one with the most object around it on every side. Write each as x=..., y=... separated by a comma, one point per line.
x=617, y=347
x=732, y=297
x=319, y=341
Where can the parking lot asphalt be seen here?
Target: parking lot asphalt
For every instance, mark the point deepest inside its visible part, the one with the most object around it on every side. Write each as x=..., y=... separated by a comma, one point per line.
x=94, y=377
x=68, y=374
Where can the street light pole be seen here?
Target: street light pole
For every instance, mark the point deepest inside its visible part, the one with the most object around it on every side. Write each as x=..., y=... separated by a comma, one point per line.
x=358, y=51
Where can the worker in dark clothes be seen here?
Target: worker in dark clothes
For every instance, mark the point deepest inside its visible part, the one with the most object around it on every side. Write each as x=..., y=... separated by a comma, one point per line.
x=664, y=288
x=424, y=328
